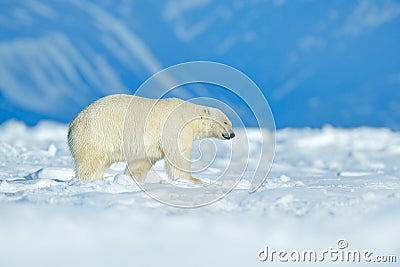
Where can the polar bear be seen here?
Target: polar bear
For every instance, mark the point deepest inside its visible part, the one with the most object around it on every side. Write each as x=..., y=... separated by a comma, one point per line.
x=141, y=131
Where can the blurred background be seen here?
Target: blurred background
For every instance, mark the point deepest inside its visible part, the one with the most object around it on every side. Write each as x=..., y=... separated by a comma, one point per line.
x=317, y=62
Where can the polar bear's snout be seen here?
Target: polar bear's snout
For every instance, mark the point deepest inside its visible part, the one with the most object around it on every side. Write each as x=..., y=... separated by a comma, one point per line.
x=228, y=134
x=222, y=125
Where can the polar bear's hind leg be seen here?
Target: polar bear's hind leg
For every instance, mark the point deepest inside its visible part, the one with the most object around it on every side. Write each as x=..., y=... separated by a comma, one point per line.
x=138, y=169
x=91, y=169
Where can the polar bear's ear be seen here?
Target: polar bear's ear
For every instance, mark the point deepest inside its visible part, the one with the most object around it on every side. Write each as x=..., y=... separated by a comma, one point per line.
x=206, y=111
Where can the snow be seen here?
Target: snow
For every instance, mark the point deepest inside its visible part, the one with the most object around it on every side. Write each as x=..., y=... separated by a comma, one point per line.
x=325, y=184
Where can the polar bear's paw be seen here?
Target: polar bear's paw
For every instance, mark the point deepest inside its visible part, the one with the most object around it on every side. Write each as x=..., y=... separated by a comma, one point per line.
x=196, y=181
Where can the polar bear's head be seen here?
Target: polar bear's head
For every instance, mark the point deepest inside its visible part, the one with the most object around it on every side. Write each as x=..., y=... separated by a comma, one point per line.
x=214, y=123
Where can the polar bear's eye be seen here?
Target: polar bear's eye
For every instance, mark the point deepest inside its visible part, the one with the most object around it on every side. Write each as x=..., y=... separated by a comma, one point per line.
x=225, y=123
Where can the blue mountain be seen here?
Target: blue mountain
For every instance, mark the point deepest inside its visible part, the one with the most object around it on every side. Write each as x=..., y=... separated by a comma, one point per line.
x=316, y=62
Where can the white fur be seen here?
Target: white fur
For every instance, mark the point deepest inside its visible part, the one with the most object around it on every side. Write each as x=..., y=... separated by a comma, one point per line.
x=141, y=131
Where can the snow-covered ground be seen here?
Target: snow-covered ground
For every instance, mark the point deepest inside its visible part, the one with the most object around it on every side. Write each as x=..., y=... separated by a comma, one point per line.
x=325, y=185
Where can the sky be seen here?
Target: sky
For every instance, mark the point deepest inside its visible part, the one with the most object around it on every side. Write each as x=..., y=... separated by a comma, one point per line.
x=316, y=62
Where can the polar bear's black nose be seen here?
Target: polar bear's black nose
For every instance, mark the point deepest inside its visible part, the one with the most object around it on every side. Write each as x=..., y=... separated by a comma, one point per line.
x=228, y=135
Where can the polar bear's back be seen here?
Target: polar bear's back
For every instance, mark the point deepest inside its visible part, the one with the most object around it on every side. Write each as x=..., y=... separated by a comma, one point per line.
x=98, y=129
x=101, y=115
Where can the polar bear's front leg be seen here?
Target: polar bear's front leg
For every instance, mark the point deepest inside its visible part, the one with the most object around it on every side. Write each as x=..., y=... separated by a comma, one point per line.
x=175, y=172
x=178, y=164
